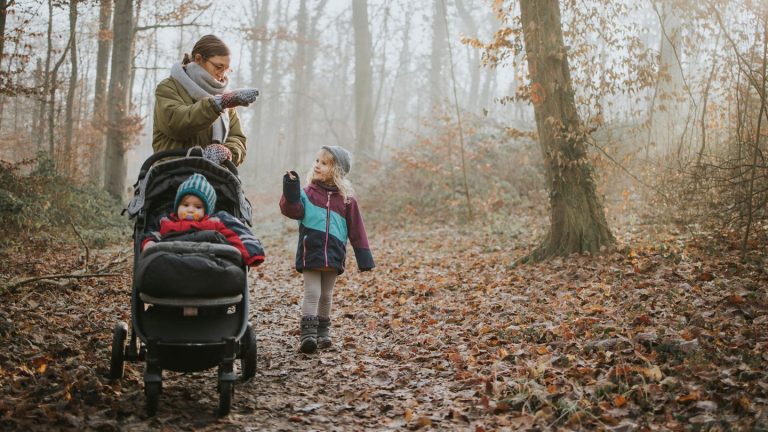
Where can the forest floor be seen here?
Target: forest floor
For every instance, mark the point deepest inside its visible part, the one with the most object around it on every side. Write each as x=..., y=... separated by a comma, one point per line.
x=666, y=332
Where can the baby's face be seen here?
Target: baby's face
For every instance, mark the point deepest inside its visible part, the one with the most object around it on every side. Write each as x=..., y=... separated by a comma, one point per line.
x=191, y=208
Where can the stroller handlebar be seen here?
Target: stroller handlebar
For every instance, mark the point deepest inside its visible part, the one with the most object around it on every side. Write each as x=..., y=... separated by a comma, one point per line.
x=228, y=164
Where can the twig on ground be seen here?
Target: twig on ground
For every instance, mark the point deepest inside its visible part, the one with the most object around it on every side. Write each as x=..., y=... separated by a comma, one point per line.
x=120, y=258
x=87, y=251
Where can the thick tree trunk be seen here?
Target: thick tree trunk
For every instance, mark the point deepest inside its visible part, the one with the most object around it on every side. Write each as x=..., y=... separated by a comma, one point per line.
x=100, y=89
x=118, y=137
x=577, y=220
x=363, y=79
x=69, y=155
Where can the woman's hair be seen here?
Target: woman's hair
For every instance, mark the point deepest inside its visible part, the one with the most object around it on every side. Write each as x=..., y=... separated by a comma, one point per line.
x=208, y=46
x=338, y=178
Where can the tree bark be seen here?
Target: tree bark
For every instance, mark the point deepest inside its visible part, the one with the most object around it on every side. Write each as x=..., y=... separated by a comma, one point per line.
x=118, y=99
x=363, y=79
x=69, y=155
x=577, y=221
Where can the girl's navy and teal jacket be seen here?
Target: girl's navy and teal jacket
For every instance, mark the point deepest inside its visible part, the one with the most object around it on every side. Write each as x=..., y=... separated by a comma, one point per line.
x=326, y=221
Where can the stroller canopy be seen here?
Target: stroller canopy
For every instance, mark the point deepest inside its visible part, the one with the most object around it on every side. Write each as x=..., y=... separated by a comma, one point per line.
x=160, y=177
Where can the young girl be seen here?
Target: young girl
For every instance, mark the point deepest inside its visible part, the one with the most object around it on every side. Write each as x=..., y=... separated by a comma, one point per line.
x=328, y=215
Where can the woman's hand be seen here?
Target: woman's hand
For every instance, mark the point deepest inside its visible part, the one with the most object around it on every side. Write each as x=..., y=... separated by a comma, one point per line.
x=291, y=175
x=239, y=97
x=217, y=153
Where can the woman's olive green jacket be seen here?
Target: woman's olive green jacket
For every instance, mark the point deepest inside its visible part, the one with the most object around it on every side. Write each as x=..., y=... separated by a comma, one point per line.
x=180, y=122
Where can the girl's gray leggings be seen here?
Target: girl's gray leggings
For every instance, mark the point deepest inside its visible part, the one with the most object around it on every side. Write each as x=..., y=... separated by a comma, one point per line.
x=318, y=293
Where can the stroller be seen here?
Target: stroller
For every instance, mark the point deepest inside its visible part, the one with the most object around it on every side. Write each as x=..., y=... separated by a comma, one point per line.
x=189, y=300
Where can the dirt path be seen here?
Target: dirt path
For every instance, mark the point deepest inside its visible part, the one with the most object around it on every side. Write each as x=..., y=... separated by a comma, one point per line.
x=443, y=335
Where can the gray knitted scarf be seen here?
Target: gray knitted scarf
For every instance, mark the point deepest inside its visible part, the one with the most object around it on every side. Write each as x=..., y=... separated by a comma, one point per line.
x=200, y=85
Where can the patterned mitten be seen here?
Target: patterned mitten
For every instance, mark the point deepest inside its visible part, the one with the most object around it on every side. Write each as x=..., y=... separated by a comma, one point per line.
x=217, y=153
x=239, y=97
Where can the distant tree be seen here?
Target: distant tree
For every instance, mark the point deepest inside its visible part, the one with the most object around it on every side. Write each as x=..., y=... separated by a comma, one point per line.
x=69, y=118
x=363, y=79
x=577, y=221
x=437, y=57
x=300, y=85
x=664, y=129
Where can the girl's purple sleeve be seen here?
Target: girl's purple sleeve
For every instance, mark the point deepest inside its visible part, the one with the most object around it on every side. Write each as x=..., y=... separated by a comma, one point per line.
x=358, y=237
x=290, y=202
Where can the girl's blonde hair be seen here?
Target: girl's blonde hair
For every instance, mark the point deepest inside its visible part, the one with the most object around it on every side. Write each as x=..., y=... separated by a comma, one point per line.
x=338, y=178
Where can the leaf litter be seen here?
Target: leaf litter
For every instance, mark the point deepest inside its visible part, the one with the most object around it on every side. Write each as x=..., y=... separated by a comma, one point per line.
x=444, y=334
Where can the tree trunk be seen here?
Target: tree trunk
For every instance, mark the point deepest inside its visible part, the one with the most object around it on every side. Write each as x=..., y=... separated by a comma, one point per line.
x=118, y=98
x=39, y=133
x=663, y=127
x=439, y=38
x=470, y=28
x=259, y=51
x=4, y=6
x=577, y=221
x=100, y=89
x=52, y=102
x=363, y=79
x=299, y=80
x=69, y=156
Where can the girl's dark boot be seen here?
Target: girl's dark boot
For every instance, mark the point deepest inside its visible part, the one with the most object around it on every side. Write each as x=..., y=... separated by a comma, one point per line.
x=308, y=334
x=324, y=332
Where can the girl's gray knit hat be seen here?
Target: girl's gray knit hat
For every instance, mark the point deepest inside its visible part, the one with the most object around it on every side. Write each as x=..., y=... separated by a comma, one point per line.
x=341, y=156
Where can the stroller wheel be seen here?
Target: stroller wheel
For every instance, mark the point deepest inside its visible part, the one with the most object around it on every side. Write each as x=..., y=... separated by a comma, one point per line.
x=248, y=361
x=226, y=392
x=152, y=391
x=117, y=360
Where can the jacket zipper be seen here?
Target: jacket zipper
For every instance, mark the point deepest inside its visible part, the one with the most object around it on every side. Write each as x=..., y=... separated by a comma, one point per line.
x=304, y=257
x=327, y=226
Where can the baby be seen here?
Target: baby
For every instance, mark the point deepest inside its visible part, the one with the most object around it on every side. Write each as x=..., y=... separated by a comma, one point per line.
x=194, y=204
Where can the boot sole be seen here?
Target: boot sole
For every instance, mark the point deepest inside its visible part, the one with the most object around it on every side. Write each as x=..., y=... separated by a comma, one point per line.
x=308, y=346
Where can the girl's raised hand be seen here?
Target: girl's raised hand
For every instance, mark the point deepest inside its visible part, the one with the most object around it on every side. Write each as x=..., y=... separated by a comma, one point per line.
x=291, y=175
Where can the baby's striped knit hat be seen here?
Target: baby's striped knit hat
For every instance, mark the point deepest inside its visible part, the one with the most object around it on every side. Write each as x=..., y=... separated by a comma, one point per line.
x=198, y=186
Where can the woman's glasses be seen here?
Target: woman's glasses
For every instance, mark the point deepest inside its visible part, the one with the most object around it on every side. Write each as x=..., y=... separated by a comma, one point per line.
x=218, y=67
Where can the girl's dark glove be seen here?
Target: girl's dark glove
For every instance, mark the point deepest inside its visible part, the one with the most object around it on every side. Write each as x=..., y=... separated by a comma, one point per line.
x=291, y=187
x=239, y=97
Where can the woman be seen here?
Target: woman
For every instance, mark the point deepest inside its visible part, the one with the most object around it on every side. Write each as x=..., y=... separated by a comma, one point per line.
x=194, y=108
